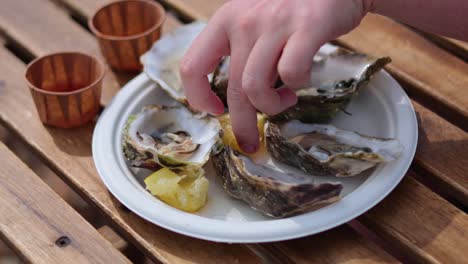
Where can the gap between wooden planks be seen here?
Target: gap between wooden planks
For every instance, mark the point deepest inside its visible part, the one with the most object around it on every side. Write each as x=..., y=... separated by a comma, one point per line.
x=457, y=47
x=33, y=218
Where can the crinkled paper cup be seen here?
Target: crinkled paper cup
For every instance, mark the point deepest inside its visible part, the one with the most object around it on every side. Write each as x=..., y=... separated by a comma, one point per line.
x=66, y=88
x=127, y=29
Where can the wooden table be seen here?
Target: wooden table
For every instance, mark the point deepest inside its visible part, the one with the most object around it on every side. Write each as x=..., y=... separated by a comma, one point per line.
x=423, y=221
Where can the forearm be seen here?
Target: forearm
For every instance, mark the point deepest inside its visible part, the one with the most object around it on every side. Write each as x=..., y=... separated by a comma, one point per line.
x=445, y=17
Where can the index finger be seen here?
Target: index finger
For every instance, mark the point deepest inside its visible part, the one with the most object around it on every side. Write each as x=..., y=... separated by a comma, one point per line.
x=199, y=61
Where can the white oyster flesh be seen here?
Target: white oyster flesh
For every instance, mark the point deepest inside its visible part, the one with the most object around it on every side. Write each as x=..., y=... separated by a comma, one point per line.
x=170, y=137
x=386, y=149
x=326, y=150
x=161, y=62
x=263, y=164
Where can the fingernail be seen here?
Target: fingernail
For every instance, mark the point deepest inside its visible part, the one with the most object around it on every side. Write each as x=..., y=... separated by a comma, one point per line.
x=249, y=148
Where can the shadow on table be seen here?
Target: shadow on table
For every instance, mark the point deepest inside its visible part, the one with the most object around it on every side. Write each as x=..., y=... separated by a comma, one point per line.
x=74, y=141
x=169, y=244
x=123, y=77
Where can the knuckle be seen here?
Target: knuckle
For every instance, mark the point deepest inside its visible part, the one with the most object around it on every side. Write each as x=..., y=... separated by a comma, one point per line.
x=279, y=16
x=267, y=102
x=224, y=9
x=246, y=23
x=287, y=73
x=250, y=84
x=186, y=68
x=293, y=76
x=236, y=95
x=279, y=13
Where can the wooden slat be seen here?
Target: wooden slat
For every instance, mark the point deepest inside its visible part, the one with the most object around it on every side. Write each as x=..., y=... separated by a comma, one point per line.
x=442, y=149
x=68, y=153
x=457, y=47
x=86, y=8
x=348, y=246
x=423, y=225
x=192, y=8
x=33, y=218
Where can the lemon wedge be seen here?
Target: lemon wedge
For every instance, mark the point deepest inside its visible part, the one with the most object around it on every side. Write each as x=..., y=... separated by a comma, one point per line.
x=184, y=191
x=229, y=138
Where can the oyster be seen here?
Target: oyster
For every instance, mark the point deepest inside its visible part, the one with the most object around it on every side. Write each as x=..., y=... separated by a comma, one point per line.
x=337, y=75
x=161, y=62
x=173, y=137
x=326, y=150
x=273, y=189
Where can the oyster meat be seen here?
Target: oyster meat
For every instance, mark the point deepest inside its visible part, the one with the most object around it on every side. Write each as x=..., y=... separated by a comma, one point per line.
x=273, y=189
x=172, y=137
x=161, y=62
x=323, y=150
x=337, y=75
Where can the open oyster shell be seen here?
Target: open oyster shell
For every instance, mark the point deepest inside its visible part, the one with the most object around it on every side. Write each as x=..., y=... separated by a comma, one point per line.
x=274, y=190
x=161, y=62
x=337, y=75
x=173, y=137
x=326, y=150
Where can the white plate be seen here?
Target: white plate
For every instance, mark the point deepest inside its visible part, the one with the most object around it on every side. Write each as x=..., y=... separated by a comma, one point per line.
x=381, y=109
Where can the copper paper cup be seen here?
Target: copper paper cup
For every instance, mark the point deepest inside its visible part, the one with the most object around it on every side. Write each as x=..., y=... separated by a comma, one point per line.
x=66, y=88
x=127, y=29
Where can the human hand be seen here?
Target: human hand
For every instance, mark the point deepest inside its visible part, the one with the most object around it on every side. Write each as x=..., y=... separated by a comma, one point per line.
x=265, y=39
